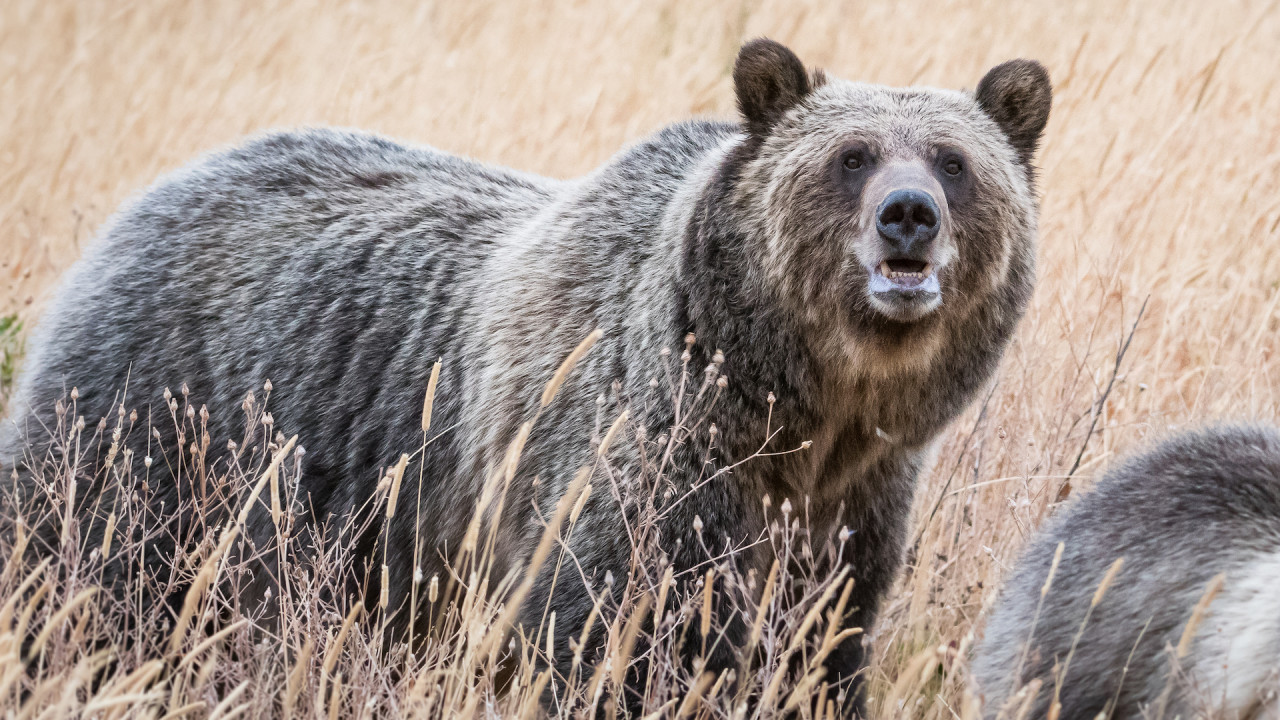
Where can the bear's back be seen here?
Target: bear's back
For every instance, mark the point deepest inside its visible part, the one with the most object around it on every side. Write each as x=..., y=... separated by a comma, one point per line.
x=326, y=243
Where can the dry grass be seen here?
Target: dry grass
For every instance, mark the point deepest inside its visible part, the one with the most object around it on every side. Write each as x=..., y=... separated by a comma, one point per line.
x=1161, y=181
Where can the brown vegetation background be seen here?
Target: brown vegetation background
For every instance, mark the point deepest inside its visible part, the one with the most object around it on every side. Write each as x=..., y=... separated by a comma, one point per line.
x=1160, y=182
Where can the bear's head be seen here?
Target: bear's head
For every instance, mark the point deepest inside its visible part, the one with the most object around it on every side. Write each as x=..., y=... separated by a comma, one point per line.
x=882, y=217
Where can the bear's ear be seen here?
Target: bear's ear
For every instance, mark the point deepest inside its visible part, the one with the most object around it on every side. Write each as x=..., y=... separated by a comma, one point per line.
x=768, y=79
x=1017, y=95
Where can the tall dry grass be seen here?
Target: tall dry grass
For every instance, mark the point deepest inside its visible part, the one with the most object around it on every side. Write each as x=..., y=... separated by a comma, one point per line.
x=1160, y=182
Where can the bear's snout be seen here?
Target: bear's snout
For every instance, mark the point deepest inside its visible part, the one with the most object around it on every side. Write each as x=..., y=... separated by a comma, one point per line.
x=910, y=244
x=909, y=220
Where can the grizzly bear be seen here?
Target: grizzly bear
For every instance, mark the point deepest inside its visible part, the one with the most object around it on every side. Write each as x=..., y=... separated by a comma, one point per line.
x=852, y=258
x=1187, y=529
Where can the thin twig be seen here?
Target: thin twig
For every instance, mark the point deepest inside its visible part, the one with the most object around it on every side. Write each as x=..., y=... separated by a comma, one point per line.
x=1102, y=401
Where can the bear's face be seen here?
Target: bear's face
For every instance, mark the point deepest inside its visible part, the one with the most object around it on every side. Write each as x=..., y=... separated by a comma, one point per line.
x=880, y=212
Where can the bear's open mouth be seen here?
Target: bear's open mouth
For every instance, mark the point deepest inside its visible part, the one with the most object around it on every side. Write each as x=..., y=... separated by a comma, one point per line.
x=905, y=272
x=905, y=289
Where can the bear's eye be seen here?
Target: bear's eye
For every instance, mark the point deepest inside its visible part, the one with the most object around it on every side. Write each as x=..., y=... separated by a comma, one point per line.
x=953, y=167
x=854, y=161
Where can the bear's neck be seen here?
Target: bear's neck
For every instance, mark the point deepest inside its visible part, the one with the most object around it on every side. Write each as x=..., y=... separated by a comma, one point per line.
x=765, y=351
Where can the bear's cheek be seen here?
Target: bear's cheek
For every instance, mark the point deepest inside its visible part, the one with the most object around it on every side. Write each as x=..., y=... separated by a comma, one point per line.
x=864, y=249
x=982, y=249
x=828, y=271
x=825, y=236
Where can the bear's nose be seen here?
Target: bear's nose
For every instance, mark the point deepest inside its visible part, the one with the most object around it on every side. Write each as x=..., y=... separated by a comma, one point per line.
x=908, y=220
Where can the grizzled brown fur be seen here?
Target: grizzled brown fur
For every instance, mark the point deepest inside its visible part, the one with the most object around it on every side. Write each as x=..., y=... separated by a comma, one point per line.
x=862, y=252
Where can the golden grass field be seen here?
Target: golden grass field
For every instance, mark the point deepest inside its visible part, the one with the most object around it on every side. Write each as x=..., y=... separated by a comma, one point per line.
x=1160, y=183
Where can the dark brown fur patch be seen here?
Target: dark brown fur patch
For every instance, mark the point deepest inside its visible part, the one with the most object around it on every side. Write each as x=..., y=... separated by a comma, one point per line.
x=378, y=179
x=769, y=80
x=1017, y=95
